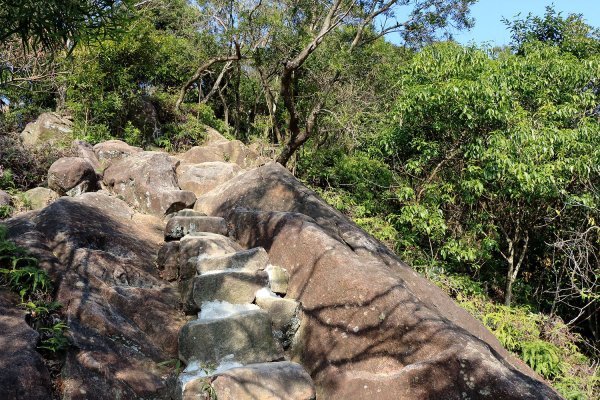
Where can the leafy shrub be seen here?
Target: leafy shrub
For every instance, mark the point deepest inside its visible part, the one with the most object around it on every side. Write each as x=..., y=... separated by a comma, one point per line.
x=24, y=168
x=546, y=344
x=20, y=272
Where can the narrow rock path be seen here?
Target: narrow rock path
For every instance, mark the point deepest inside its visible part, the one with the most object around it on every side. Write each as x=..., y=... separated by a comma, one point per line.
x=235, y=348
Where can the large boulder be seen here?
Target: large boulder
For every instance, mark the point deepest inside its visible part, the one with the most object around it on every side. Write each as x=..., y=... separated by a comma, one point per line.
x=40, y=197
x=371, y=327
x=86, y=151
x=202, y=178
x=24, y=375
x=113, y=150
x=123, y=320
x=147, y=181
x=224, y=151
x=72, y=176
x=50, y=128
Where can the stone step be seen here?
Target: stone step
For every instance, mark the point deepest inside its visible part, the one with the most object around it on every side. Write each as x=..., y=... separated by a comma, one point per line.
x=281, y=310
x=185, y=213
x=197, y=244
x=282, y=380
x=178, y=227
x=237, y=287
x=248, y=260
x=244, y=335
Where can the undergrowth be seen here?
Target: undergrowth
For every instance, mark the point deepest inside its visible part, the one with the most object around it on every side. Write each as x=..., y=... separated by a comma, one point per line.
x=20, y=273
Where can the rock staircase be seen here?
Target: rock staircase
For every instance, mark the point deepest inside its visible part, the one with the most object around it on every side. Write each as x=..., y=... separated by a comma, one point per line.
x=235, y=348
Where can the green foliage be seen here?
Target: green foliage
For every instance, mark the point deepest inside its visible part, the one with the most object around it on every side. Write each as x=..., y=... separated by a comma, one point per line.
x=571, y=34
x=53, y=23
x=23, y=168
x=546, y=344
x=19, y=271
x=53, y=338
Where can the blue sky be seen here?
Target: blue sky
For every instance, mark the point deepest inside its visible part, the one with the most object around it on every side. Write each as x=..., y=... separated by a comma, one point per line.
x=489, y=13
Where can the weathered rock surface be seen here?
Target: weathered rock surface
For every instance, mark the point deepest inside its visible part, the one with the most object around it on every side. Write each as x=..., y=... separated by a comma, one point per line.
x=224, y=151
x=147, y=181
x=86, y=151
x=113, y=150
x=178, y=227
x=23, y=374
x=50, y=128
x=202, y=178
x=72, y=176
x=5, y=199
x=279, y=279
x=247, y=260
x=246, y=335
x=371, y=326
x=274, y=381
x=40, y=197
x=279, y=309
x=236, y=287
x=122, y=317
x=168, y=261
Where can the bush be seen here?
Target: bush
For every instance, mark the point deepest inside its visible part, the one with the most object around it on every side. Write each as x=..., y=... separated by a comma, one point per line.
x=24, y=168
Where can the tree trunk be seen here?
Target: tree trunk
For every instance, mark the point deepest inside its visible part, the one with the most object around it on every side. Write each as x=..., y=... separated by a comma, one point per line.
x=513, y=268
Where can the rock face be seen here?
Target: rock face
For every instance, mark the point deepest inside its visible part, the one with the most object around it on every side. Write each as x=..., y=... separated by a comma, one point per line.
x=234, y=151
x=112, y=151
x=123, y=319
x=202, y=178
x=180, y=226
x=72, y=176
x=5, y=199
x=371, y=327
x=86, y=151
x=49, y=128
x=277, y=381
x=148, y=182
x=40, y=197
x=23, y=375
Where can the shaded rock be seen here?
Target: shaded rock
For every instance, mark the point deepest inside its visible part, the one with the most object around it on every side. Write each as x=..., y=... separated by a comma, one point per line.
x=86, y=151
x=122, y=317
x=71, y=176
x=201, y=178
x=50, y=128
x=227, y=151
x=168, y=261
x=178, y=227
x=236, y=287
x=5, y=199
x=246, y=335
x=113, y=150
x=148, y=182
x=40, y=197
x=24, y=375
x=278, y=279
x=280, y=310
x=247, y=260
